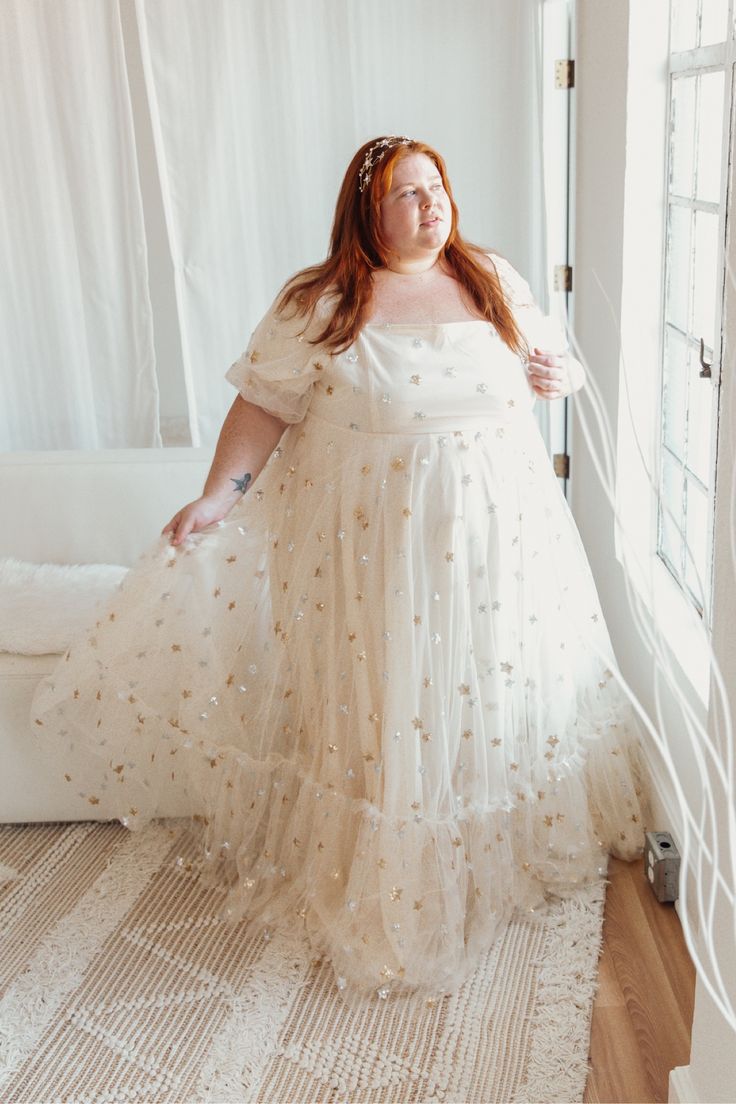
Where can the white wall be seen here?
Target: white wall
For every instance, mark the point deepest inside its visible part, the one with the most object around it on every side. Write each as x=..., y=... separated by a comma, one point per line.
x=598, y=272
x=711, y=1073
x=610, y=92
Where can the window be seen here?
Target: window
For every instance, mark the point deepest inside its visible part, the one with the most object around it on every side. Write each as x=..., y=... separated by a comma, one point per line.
x=701, y=58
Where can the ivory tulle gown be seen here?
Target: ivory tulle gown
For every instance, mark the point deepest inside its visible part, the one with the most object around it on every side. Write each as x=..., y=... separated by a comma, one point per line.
x=386, y=676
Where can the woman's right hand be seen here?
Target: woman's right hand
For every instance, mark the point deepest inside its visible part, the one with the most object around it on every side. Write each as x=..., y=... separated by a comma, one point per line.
x=197, y=515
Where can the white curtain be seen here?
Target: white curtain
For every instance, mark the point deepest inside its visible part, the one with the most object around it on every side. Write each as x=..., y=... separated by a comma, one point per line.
x=245, y=115
x=76, y=330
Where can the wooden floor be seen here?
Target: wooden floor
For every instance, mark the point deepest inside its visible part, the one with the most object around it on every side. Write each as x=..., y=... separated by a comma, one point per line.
x=643, y=1009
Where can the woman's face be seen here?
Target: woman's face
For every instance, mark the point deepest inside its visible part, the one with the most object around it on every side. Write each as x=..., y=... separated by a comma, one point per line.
x=415, y=213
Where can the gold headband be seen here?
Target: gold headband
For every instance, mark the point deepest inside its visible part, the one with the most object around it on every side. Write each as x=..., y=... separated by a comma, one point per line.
x=379, y=148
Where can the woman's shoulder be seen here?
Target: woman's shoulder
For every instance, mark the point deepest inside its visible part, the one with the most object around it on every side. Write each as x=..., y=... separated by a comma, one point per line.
x=493, y=261
x=513, y=284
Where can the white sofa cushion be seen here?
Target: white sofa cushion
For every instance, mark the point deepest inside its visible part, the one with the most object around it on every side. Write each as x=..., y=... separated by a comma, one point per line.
x=43, y=607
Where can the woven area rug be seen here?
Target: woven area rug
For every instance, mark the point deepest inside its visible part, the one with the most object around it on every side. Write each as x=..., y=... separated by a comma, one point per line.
x=120, y=983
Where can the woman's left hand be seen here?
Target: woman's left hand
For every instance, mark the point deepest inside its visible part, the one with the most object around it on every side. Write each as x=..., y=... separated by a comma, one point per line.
x=552, y=376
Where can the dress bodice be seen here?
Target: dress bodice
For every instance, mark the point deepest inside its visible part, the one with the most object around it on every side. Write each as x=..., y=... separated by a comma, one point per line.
x=422, y=378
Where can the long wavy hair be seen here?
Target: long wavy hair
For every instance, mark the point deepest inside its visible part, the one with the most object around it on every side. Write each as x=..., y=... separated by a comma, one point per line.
x=357, y=248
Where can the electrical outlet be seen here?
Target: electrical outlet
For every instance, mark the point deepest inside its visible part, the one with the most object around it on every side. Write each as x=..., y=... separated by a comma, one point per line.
x=662, y=865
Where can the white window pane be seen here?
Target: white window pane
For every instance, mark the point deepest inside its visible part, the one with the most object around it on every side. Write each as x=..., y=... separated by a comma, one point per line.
x=704, y=284
x=674, y=391
x=670, y=498
x=699, y=420
x=682, y=136
x=683, y=24
x=678, y=267
x=697, y=540
x=714, y=25
x=710, y=136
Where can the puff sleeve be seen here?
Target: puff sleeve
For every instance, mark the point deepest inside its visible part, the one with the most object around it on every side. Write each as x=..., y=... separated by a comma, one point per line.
x=544, y=331
x=278, y=369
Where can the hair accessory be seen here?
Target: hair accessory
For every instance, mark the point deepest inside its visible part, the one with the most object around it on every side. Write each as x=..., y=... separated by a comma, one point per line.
x=375, y=153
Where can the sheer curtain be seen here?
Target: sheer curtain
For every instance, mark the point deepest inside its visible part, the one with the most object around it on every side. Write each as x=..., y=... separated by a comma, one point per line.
x=223, y=182
x=76, y=328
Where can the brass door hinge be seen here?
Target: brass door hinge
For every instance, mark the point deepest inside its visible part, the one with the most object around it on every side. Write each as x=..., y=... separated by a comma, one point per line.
x=563, y=277
x=565, y=73
x=561, y=463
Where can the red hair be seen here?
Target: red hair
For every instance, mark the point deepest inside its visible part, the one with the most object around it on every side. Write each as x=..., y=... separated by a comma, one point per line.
x=357, y=248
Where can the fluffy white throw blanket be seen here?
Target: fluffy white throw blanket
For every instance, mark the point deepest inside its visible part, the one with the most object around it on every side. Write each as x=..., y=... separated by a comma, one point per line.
x=43, y=607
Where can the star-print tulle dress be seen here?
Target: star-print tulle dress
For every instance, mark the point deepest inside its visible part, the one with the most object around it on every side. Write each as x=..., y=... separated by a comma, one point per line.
x=385, y=678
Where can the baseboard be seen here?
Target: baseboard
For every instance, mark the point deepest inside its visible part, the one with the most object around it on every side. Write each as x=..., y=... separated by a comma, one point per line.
x=680, y=1089
x=669, y=819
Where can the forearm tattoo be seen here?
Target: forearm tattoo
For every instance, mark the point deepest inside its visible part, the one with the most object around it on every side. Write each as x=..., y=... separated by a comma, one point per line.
x=242, y=483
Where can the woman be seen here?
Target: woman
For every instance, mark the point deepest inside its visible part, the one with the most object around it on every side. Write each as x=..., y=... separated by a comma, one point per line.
x=373, y=647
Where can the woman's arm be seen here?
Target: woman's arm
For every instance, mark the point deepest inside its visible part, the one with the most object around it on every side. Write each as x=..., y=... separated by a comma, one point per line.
x=247, y=439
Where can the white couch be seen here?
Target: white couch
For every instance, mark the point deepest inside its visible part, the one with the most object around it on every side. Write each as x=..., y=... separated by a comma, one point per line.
x=100, y=507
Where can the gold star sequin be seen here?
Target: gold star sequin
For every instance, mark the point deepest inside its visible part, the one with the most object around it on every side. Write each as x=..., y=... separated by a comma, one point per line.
x=396, y=892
